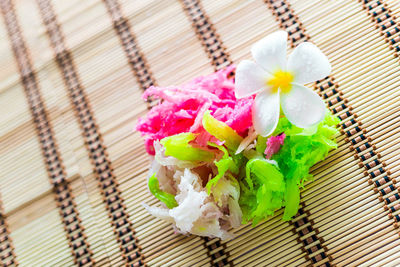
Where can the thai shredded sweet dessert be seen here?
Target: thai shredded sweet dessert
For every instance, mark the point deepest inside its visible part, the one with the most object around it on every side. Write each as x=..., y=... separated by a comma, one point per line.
x=237, y=145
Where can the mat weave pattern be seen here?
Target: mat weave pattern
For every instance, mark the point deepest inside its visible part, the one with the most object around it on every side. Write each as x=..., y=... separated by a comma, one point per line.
x=73, y=171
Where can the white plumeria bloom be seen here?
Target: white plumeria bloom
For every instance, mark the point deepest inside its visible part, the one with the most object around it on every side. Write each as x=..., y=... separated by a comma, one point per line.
x=279, y=82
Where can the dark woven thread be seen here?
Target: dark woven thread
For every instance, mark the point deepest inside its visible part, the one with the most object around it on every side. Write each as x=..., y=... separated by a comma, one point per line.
x=80, y=248
x=356, y=135
x=388, y=26
x=216, y=52
x=317, y=253
x=7, y=253
x=312, y=244
x=102, y=167
x=140, y=69
x=207, y=34
x=135, y=57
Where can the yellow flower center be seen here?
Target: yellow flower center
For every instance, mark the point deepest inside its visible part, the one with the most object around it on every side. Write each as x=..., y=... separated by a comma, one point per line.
x=281, y=79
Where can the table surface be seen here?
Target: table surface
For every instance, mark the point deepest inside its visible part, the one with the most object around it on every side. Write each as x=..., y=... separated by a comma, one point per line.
x=73, y=170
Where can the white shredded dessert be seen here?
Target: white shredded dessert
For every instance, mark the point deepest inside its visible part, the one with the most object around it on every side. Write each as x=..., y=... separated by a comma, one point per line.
x=197, y=212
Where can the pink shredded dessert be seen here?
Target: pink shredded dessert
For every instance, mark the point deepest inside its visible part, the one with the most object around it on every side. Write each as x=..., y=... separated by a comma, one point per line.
x=182, y=108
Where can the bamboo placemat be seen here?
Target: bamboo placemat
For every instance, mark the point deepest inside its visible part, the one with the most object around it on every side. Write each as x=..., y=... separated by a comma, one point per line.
x=73, y=170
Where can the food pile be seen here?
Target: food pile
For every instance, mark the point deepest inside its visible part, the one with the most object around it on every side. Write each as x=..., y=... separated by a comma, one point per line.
x=205, y=186
x=226, y=153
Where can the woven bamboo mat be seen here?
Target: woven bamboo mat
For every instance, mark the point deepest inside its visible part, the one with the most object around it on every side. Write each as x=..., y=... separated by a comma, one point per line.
x=73, y=171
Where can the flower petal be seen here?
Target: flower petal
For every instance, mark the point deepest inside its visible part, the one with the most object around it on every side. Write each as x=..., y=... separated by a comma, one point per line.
x=249, y=79
x=308, y=63
x=302, y=106
x=266, y=112
x=270, y=52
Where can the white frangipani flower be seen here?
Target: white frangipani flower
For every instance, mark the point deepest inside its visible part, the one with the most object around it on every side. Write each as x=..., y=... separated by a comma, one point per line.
x=279, y=82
